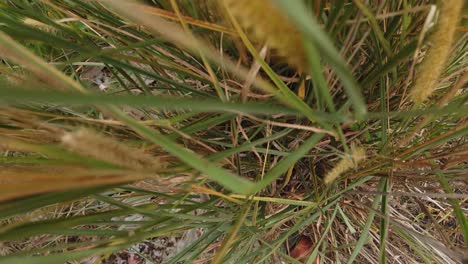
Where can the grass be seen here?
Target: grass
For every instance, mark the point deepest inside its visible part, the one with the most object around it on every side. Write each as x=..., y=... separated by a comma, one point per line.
x=201, y=131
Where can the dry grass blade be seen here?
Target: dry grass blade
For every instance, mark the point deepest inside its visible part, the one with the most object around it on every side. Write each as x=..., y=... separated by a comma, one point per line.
x=10, y=49
x=190, y=20
x=21, y=181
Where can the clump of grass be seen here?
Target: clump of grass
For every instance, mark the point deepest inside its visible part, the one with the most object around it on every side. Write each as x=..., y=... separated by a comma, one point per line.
x=204, y=139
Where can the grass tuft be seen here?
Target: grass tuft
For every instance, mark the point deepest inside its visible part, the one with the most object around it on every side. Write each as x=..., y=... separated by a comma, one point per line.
x=269, y=131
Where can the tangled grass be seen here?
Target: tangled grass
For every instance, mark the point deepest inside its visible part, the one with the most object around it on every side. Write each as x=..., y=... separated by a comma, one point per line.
x=233, y=131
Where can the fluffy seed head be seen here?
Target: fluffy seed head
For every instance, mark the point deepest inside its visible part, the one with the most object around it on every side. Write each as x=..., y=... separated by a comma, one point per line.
x=441, y=42
x=95, y=145
x=268, y=24
x=358, y=154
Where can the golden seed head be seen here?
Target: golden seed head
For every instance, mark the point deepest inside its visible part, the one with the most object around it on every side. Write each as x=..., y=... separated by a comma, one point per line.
x=358, y=154
x=95, y=145
x=38, y=24
x=441, y=42
x=268, y=24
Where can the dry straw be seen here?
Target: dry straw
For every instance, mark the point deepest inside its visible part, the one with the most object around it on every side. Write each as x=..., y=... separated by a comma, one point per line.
x=267, y=23
x=348, y=162
x=441, y=42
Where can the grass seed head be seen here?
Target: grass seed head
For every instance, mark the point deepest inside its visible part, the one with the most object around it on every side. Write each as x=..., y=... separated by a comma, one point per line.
x=95, y=145
x=267, y=23
x=358, y=154
x=441, y=42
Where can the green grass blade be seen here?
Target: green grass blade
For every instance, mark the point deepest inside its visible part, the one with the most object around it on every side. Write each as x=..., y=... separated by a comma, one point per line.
x=364, y=235
x=227, y=179
x=312, y=31
x=8, y=95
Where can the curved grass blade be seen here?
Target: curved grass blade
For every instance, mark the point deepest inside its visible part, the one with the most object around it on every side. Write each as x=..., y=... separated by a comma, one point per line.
x=311, y=30
x=227, y=179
